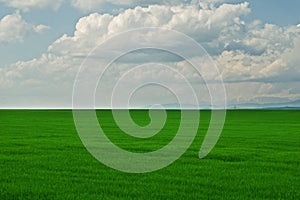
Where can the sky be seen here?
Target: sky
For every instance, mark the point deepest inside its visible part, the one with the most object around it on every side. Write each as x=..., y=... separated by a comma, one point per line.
x=254, y=45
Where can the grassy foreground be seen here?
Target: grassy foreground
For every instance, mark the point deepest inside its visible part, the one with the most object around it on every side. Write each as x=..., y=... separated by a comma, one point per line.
x=257, y=157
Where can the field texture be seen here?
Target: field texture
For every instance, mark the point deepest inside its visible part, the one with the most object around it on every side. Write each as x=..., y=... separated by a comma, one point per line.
x=257, y=157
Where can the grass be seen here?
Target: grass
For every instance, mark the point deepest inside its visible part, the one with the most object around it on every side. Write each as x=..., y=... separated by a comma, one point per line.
x=257, y=157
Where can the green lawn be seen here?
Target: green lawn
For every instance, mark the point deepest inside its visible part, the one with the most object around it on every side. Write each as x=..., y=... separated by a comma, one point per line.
x=257, y=157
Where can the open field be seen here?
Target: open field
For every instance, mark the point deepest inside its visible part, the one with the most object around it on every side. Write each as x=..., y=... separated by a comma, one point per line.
x=257, y=157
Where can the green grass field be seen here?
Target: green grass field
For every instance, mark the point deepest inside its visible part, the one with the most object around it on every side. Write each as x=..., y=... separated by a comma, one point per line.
x=257, y=157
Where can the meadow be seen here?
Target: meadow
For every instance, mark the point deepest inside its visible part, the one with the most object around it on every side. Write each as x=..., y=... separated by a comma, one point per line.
x=256, y=157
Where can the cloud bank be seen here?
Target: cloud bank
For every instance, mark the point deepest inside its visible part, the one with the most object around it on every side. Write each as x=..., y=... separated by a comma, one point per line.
x=258, y=62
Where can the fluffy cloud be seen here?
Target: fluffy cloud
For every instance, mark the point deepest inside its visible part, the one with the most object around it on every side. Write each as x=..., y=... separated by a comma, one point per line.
x=43, y=82
x=244, y=52
x=204, y=25
x=14, y=29
x=257, y=61
x=276, y=60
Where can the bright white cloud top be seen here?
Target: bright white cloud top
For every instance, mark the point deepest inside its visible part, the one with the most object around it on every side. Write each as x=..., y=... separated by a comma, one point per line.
x=15, y=29
x=258, y=61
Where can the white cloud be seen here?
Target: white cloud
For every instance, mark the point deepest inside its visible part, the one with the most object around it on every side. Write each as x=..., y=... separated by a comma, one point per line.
x=257, y=61
x=92, y=5
x=244, y=52
x=14, y=29
x=28, y=5
x=277, y=62
x=97, y=5
x=204, y=25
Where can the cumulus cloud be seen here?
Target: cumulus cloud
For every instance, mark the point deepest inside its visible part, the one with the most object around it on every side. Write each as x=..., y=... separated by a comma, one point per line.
x=13, y=28
x=275, y=62
x=257, y=61
x=204, y=25
x=244, y=52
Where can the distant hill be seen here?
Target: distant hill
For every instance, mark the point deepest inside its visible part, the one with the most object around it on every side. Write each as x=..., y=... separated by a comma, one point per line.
x=286, y=105
x=293, y=105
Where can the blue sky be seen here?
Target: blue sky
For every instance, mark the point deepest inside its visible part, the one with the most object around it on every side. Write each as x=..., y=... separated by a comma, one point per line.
x=279, y=12
x=61, y=21
x=35, y=41
x=64, y=19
